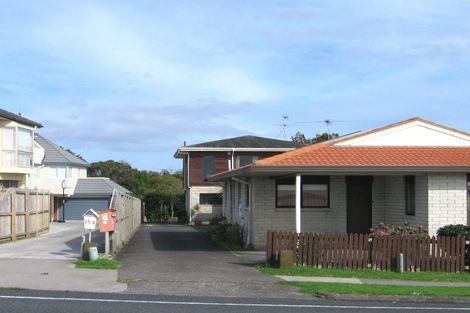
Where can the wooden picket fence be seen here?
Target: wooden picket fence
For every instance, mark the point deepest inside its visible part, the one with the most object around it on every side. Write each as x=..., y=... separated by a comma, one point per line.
x=358, y=251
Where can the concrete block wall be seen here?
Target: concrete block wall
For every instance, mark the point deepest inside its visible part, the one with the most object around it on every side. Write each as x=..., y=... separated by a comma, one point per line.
x=206, y=212
x=378, y=200
x=447, y=196
x=394, y=201
x=267, y=217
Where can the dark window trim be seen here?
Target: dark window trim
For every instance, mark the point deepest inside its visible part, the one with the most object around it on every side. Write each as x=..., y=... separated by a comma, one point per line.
x=307, y=180
x=410, y=204
x=206, y=157
x=213, y=195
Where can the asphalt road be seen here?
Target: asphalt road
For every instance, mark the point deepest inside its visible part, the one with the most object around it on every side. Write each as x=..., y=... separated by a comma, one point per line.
x=43, y=301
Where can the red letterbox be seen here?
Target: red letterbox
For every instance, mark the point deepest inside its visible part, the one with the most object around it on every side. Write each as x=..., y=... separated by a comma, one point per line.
x=107, y=220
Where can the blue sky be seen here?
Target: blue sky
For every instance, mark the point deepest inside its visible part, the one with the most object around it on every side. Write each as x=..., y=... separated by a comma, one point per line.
x=132, y=80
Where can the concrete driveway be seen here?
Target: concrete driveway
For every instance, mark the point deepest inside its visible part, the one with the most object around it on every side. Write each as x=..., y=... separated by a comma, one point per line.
x=181, y=261
x=61, y=243
x=46, y=263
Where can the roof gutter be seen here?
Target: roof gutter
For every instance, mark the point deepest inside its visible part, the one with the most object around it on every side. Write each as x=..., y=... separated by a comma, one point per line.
x=259, y=170
x=184, y=150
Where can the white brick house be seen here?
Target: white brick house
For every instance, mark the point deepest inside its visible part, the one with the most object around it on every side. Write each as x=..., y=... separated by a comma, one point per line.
x=413, y=171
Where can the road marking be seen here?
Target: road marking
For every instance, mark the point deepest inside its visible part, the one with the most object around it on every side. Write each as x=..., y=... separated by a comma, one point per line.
x=308, y=306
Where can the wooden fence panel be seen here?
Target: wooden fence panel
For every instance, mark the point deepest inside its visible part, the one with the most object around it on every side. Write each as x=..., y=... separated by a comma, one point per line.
x=358, y=251
x=23, y=213
x=128, y=218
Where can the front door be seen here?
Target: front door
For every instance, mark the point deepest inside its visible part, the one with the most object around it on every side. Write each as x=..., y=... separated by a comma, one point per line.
x=359, y=204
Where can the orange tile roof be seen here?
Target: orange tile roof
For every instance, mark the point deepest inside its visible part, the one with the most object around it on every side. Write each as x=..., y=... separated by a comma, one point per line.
x=325, y=155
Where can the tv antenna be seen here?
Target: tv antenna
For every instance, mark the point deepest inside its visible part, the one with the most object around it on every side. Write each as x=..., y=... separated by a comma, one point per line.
x=284, y=125
x=327, y=122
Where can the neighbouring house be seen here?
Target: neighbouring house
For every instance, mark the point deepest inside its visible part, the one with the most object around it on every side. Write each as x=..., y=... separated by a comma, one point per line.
x=17, y=154
x=203, y=197
x=414, y=171
x=65, y=175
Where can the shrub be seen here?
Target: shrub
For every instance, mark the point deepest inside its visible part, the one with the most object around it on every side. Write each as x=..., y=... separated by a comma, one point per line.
x=390, y=230
x=226, y=232
x=454, y=230
x=217, y=219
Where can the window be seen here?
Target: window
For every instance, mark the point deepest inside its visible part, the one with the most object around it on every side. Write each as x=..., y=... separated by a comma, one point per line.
x=59, y=172
x=315, y=192
x=285, y=193
x=25, y=147
x=243, y=160
x=9, y=183
x=210, y=198
x=410, y=195
x=208, y=167
x=17, y=147
x=8, y=146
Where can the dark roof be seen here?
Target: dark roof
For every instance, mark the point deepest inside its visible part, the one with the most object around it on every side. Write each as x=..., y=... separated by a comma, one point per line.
x=97, y=187
x=18, y=118
x=54, y=155
x=247, y=142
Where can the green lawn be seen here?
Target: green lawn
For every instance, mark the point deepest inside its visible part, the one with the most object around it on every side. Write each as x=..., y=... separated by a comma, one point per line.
x=100, y=264
x=371, y=274
x=337, y=288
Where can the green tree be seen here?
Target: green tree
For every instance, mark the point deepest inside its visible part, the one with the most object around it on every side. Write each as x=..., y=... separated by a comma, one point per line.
x=162, y=192
x=302, y=140
x=120, y=172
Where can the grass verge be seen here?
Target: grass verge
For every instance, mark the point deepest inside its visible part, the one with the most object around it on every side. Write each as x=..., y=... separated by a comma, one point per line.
x=100, y=264
x=128, y=280
x=319, y=289
x=369, y=274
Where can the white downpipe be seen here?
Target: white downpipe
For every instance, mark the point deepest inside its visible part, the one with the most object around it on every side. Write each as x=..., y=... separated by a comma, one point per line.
x=298, y=221
x=111, y=202
x=233, y=160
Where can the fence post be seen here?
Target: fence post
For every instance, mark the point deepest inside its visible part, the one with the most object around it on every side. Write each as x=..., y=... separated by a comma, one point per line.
x=13, y=215
x=269, y=248
x=27, y=210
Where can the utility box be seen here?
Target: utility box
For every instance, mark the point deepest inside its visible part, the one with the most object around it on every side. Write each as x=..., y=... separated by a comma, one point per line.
x=286, y=258
x=86, y=248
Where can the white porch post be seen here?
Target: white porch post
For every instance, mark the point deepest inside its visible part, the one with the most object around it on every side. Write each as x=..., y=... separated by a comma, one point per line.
x=298, y=221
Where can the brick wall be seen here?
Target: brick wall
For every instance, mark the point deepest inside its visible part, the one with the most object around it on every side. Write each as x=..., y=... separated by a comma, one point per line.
x=447, y=198
x=267, y=217
x=441, y=199
x=394, y=201
x=378, y=200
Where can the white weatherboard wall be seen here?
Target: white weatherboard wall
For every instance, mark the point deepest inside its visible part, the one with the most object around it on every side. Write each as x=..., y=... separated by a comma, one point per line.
x=411, y=134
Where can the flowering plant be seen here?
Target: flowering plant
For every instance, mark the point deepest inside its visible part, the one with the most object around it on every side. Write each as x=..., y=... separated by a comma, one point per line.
x=390, y=230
